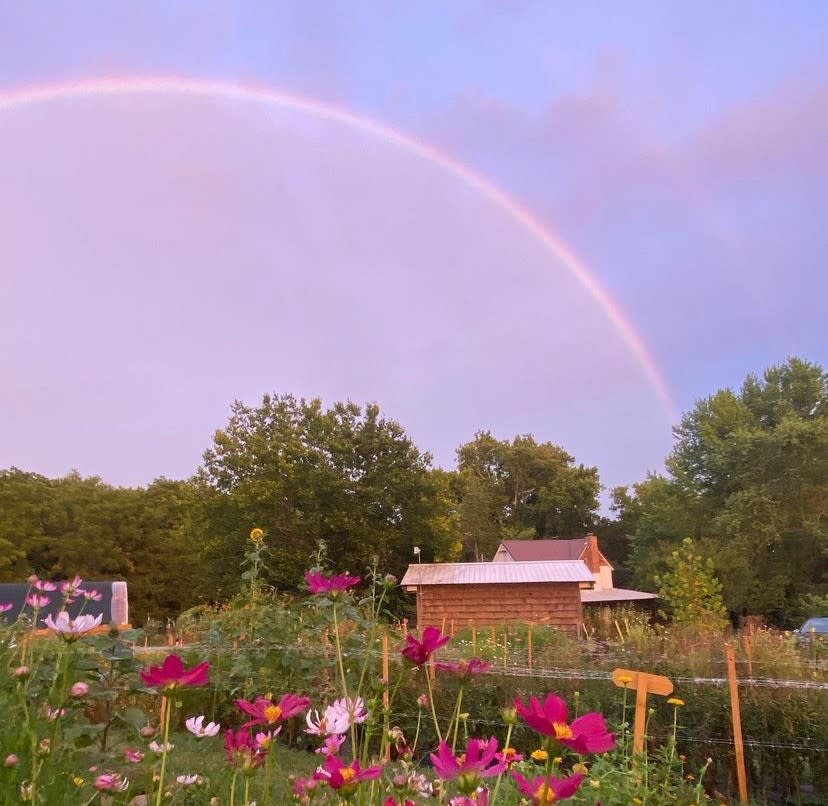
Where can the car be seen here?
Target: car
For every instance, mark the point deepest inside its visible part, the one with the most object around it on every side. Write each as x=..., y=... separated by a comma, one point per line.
x=814, y=629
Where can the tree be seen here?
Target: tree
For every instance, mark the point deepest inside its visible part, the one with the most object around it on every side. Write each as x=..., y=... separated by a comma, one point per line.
x=521, y=489
x=344, y=475
x=748, y=478
x=690, y=589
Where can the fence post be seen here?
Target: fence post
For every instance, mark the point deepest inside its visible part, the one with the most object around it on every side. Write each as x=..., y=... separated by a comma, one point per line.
x=733, y=683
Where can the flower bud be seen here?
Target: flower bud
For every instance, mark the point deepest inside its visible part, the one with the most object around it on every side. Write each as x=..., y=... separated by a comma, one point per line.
x=11, y=760
x=79, y=689
x=22, y=672
x=148, y=731
x=509, y=716
x=422, y=700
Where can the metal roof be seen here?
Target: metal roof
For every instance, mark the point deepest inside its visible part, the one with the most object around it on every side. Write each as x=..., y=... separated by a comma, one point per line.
x=614, y=595
x=497, y=573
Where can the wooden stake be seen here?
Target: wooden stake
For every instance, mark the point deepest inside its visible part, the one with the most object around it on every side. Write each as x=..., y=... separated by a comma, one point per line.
x=733, y=683
x=443, y=626
x=620, y=634
x=643, y=684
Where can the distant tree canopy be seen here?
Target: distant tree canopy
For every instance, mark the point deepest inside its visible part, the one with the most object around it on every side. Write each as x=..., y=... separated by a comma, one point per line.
x=747, y=480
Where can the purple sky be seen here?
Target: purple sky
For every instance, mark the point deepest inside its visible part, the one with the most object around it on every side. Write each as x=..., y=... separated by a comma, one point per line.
x=163, y=255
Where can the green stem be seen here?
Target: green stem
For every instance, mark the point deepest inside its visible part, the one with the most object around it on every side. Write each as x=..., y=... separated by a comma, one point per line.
x=547, y=772
x=233, y=788
x=269, y=764
x=456, y=719
x=246, y=790
x=159, y=795
x=500, y=776
x=339, y=653
x=431, y=703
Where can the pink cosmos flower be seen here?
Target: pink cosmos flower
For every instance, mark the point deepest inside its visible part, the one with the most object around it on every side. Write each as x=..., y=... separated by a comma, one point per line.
x=196, y=726
x=133, y=756
x=354, y=709
x=263, y=740
x=418, y=652
x=509, y=756
x=41, y=584
x=79, y=689
x=111, y=782
x=37, y=601
x=345, y=777
x=266, y=712
x=331, y=745
x=72, y=629
x=465, y=669
x=545, y=790
x=5, y=607
x=11, y=760
x=53, y=714
x=333, y=721
x=320, y=585
x=93, y=596
x=172, y=674
x=241, y=750
x=587, y=734
x=478, y=798
x=71, y=588
x=469, y=767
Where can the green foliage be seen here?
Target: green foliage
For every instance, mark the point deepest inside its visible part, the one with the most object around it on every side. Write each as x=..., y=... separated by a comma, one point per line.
x=521, y=489
x=690, y=589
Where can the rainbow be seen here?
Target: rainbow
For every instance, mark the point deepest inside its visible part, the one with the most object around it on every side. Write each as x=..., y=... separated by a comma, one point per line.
x=249, y=93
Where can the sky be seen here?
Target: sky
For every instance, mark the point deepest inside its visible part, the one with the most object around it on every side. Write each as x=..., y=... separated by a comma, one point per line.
x=163, y=253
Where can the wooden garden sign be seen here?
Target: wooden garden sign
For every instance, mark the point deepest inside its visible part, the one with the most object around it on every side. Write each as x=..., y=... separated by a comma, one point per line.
x=643, y=684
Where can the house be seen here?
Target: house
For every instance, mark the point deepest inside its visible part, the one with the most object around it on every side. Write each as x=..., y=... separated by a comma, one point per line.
x=460, y=594
x=586, y=549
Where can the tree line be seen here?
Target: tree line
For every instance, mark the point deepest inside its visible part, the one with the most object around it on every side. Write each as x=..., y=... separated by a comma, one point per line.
x=747, y=480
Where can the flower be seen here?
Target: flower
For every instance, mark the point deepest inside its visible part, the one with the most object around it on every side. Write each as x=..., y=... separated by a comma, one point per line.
x=331, y=745
x=37, y=601
x=79, y=689
x=263, y=740
x=345, y=777
x=354, y=709
x=111, y=782
x=41, y=584
x=11, y=760
x=188, y=780
x=241, y=750
x=72, y=629
x=159, y=747
x=478, y=798
x=172, y=674
x=333, y=720
x=256, y=536
x=53, y=713
x=22, y=672
x=319, y=584
x=545, y=790
x=587, y=734
x=469, y=767
x=625, y=679
x=422, y=700
x=196, y=726
x=133, y=756
x=93, y=596
x=5, y=607
x=464, y=669
x=509, y=756
x=677, y=701
x=71, y=588
x=418, y=652
x=266, y=712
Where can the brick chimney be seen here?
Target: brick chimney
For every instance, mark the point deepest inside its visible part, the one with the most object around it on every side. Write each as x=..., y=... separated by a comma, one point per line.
x=591, y=556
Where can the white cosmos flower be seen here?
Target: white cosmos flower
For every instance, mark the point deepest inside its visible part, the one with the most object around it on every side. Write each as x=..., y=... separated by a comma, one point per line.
x=158, y=747
x=71, y=629
x=196, y=726
x=188, y=780
x=333, y=720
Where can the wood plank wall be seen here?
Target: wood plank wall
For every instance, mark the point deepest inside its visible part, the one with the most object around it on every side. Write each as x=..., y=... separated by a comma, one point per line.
x=556, y=604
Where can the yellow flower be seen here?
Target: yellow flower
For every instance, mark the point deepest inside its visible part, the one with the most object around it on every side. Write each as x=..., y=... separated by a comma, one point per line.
x=580, y=768
x=625, y=679
x=77, y=781
x=256, y=536
x=675, y=701
x=540, y=754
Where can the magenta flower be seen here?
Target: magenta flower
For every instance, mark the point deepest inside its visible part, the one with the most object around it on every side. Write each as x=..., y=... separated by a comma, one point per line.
x=468, y=767
x=172, y=674
x=133, y=756
x=41, y=584
x=345, y=777
x=509, y=756
x=37, y=601
x=464, y=669
x=478, y=798
x=545, y=790
x=79, y=689
x=111, y=782
x=418, y=652
x=242, y=751
x=266, y=712
x=5, y=607
x=331, y=745
x=587, y=734
x=320, y=585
